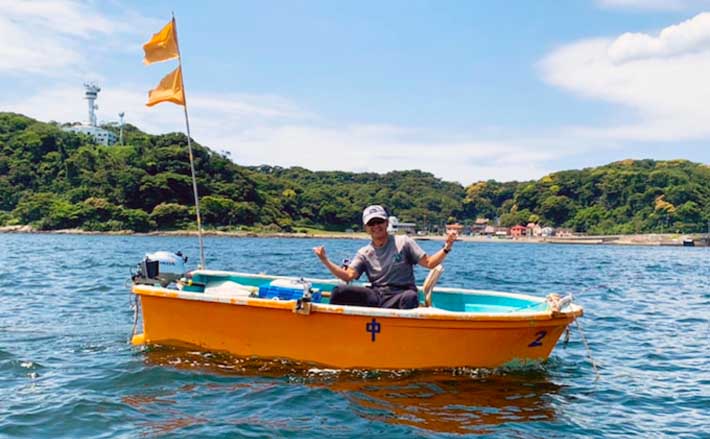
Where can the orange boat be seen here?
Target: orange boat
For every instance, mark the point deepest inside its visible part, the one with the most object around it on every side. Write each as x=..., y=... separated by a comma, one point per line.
x=278, y=317
x=281, y=317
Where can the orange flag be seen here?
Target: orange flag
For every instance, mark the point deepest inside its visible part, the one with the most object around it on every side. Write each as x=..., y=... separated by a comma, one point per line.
x=163, y=46
x=169, y=90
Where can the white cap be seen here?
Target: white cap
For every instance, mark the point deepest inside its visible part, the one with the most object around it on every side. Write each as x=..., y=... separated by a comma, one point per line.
x=374, y=211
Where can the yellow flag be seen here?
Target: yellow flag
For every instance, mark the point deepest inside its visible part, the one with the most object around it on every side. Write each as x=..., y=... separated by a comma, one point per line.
x=169, y=90
x=163, y=46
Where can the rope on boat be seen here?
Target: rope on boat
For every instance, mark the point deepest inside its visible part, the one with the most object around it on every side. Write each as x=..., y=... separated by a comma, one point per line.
x=589, y=351
x=553, y=300
x=556, y=302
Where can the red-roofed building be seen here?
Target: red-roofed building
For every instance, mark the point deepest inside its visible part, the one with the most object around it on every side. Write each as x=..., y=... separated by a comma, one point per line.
x=518, y=231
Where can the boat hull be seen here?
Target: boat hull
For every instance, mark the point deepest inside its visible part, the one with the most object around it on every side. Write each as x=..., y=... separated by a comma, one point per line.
x=347, y=337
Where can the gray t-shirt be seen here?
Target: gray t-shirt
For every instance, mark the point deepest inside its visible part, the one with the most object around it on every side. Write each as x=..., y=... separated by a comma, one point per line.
x=390, y=265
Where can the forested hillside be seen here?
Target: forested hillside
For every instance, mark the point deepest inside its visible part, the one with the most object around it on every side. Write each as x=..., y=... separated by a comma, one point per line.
x=53, y=180
x=629, y=196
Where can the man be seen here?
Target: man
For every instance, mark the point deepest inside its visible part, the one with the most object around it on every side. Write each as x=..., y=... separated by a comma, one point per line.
x=388, y=262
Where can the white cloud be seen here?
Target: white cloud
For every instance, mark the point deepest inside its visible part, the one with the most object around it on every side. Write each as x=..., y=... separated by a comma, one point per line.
x=653, y=5
x=22, y=51
x=687, y=37
x=664, y=83
x=271, y=130
x=61, y=16
x=240, y=105
x=56, y=37
x=374, y=148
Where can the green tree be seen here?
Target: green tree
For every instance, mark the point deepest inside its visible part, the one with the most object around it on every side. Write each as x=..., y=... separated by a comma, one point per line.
x=33, y=207
x=136, y=220
x=556, y=209
x=217, y=210
x=38, y=158
x=5, y=218
x=586, y=218
x=170, y=215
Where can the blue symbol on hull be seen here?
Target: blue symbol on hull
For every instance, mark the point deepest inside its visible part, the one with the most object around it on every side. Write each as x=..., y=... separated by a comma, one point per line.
x=373, y=328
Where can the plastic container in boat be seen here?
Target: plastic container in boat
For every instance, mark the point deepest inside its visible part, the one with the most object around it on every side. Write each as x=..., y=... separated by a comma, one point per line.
x=288, y=289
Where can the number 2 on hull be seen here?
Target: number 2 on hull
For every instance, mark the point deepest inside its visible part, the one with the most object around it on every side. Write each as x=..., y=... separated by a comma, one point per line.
x=538, y=341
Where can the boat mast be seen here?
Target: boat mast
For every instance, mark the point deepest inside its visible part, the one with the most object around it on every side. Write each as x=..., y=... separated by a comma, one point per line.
x=189, y=149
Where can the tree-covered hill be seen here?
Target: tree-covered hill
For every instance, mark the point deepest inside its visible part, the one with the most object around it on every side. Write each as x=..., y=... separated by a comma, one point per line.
x=54, y=179
x=336, y=199
x=629, y=196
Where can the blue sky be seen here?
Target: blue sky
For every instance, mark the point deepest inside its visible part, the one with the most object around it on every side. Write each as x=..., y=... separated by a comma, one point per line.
x=467, y=90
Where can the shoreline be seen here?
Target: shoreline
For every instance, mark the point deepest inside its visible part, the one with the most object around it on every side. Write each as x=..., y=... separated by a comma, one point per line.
x=650, y=239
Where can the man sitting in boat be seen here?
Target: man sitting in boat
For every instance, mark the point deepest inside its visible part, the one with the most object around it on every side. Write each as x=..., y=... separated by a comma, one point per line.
x=389, y=263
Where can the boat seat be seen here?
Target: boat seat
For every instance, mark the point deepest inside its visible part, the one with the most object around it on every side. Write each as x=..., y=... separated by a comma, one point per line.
x=431, y=280
x=228, y=288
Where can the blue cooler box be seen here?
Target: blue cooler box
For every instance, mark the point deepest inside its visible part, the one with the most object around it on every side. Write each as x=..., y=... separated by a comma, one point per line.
x=285, y=289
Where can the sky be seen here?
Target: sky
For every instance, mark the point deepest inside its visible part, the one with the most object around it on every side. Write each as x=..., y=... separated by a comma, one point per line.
x=466, y=90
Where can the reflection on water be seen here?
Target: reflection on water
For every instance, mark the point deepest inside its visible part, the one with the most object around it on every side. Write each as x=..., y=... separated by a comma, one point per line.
x=447, y=400
x=454, y=404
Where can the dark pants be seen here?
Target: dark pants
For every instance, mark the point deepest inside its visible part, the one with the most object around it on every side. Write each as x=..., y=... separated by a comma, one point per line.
x=382, y=297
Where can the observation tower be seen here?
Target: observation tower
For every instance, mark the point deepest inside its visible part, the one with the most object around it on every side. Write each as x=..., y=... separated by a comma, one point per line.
x=91, y=128
x=90, y=94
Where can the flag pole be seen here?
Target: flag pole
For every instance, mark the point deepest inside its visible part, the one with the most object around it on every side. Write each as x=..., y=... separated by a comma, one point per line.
x=189, y=149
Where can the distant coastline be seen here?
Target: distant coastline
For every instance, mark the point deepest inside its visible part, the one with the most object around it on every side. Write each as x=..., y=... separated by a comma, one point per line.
x=57, y=179
x=651, y=239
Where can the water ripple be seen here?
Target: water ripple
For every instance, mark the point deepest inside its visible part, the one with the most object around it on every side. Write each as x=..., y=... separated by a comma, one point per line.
x=67, y=371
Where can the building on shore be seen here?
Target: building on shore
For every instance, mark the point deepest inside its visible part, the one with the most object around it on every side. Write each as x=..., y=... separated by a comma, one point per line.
x=533, y=229
x=458, y=228
x=395, y=226
x=518, y=230
x=501, y=232
x=90, y=127
x=479, y=226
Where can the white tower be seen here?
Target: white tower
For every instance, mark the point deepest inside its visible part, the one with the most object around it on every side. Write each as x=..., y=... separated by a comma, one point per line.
x=90, y=95
x=102, y=136
x=120, y=133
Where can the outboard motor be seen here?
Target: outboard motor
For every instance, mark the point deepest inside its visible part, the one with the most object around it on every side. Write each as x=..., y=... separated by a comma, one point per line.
x=160, y=268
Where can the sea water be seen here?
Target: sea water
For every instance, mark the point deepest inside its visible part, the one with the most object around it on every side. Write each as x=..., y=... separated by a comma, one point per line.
x=67, y=370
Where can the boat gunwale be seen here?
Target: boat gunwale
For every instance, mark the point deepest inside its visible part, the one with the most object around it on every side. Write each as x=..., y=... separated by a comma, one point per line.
x=422, y=313
x=335, y=282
